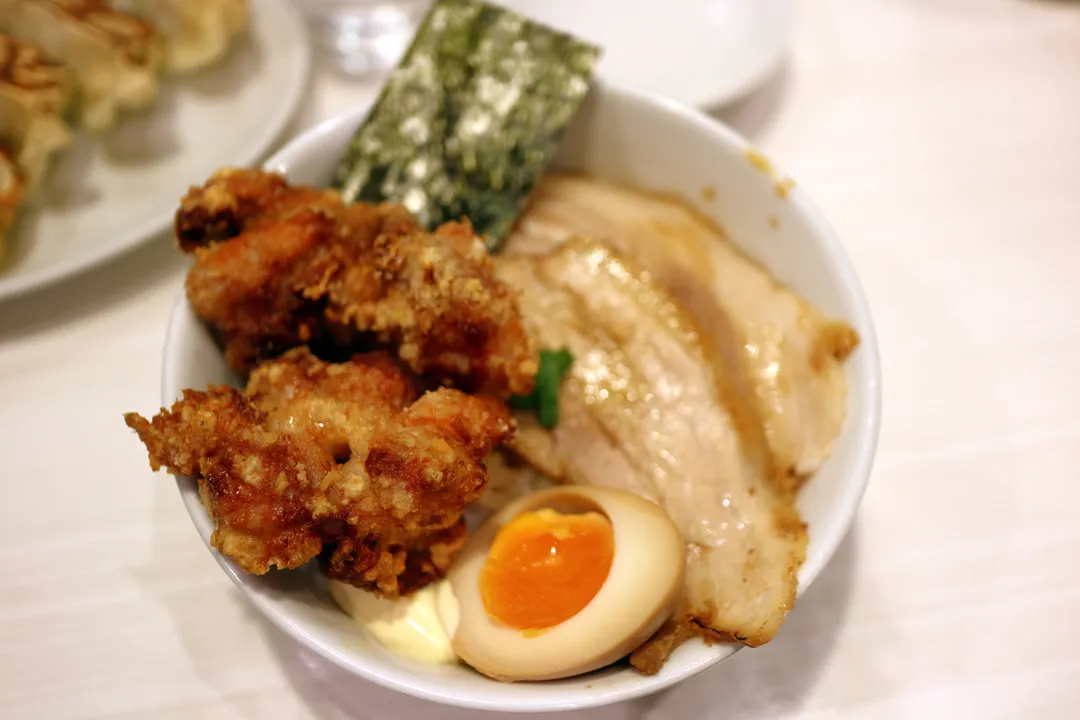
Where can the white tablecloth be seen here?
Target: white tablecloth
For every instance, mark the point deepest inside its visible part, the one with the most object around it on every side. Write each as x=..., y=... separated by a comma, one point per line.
x=943, y=141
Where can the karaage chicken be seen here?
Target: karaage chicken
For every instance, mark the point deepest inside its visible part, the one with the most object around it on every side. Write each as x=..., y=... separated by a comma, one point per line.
x=278, y=266
x=347, y=462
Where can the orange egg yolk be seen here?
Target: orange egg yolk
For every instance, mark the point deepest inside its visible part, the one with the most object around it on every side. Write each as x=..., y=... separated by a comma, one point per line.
x=544, y=567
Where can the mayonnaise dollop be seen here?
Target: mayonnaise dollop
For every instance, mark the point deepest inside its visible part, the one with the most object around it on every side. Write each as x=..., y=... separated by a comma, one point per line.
x=419, y=626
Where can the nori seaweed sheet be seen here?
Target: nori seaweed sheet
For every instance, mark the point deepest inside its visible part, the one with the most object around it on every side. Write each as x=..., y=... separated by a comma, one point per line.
x=470, y=118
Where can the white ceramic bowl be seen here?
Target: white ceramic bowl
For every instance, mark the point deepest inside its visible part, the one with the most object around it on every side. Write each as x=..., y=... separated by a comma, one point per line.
x=648, y=142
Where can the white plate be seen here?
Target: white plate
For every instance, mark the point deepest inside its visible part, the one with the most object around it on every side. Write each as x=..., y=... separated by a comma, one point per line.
x=112, y=193
x=703, y=53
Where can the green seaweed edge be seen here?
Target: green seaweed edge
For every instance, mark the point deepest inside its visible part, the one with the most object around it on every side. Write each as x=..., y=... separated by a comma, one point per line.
x=470, y=118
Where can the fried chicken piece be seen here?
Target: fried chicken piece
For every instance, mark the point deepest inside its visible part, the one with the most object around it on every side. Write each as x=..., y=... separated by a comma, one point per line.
x=278, y=266
x=254, y=478
x=367, y=563
x=346, y=460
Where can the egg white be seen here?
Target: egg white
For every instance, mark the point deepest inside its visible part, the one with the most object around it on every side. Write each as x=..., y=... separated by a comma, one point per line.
x=641, y=591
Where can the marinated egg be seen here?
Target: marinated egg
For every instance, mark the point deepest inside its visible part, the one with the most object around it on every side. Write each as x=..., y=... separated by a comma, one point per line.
x=565, y=581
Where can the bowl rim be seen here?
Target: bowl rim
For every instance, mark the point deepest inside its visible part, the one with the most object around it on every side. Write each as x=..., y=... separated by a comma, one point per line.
x=867, y=429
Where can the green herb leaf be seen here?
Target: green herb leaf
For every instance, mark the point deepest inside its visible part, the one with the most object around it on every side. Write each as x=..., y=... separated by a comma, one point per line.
x=469, y=120
x=523, y=402
x=544, y=399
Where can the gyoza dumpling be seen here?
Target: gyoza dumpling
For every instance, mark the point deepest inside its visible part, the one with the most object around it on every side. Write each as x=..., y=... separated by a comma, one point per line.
x=12, y=191
x=113, y=56
x=197, y=33
x=34, y=92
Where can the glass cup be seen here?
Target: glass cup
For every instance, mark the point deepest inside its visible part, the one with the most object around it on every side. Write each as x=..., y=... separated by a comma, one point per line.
x=363, y=37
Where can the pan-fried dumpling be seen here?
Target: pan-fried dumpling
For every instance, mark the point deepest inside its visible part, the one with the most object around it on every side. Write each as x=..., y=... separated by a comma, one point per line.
x=12, y=190
x=34, y=92
x=114, y=56
x=197, y=33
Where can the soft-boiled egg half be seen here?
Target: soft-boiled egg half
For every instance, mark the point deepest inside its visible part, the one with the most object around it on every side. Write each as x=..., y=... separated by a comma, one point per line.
x=565, y=581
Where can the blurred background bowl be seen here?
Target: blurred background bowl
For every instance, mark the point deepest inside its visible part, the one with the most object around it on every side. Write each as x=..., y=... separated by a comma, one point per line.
x=704, y=53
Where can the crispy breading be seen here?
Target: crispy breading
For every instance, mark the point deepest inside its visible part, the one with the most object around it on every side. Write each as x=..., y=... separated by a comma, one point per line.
x=367, y=563
x=278, y=266
x=254, y=478
x=343, y=459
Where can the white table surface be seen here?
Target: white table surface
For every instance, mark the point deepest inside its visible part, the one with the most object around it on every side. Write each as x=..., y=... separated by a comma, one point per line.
x=943, y=140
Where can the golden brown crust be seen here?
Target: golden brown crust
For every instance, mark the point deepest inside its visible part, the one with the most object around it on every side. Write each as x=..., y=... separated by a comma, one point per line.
x=137, y=38
x=24, y=67
x=392, y=568
x=836, y=341
x=340, y=459
x=12, y=193
x=252, y=478
x=651, y=656
x=34, y=91
x=277, y=266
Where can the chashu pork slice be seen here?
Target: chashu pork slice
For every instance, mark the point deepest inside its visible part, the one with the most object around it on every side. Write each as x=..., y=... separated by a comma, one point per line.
x=788, y=352
x=113, y=56
x=646, y=407
x=34, y=92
